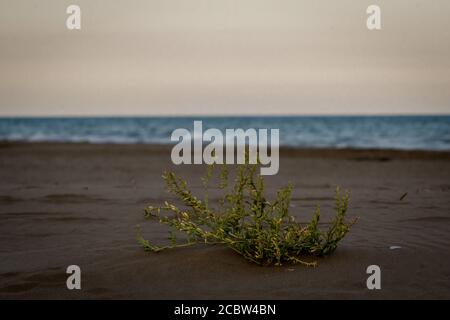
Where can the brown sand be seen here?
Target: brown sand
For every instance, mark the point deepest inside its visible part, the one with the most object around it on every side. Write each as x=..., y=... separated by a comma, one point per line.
x=63, y=204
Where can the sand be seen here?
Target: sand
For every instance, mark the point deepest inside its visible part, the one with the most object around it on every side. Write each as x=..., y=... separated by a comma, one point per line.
x=64, y=204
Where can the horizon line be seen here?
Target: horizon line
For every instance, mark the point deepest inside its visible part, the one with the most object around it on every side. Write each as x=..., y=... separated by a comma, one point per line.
x=226, y=115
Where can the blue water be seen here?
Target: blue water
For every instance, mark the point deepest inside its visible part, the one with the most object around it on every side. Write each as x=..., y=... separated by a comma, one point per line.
x=399, y=132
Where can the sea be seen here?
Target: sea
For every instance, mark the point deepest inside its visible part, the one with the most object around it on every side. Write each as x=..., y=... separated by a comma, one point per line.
x=359, y=132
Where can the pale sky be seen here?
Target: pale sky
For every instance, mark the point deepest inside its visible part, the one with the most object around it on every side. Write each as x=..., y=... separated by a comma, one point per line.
x=234, y=57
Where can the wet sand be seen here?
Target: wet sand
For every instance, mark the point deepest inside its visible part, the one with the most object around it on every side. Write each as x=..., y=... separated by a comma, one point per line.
x=64, y=204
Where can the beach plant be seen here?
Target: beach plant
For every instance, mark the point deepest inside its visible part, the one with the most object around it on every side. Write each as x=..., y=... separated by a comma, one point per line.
x=243, y=219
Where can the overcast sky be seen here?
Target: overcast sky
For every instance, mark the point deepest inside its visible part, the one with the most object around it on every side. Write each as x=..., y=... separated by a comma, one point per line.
x=238, y=57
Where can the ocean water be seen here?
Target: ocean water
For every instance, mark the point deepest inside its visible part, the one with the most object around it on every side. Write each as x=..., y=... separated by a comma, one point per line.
x=394, y=132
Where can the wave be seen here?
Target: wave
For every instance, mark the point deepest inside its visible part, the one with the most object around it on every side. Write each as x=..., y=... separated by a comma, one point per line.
x=396, y=132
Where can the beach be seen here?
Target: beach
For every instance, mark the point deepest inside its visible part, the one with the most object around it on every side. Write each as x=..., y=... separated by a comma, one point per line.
x=79, y=204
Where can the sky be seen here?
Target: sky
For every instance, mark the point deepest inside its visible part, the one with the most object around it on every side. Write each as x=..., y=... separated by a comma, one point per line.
x=224, y=57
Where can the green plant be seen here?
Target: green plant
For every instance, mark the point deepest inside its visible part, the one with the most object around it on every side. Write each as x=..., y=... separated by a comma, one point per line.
x=244, y=220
